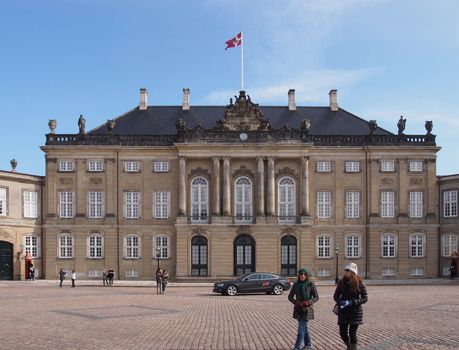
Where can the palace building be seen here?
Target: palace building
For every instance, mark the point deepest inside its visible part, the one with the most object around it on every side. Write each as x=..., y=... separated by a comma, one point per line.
x=217, y=191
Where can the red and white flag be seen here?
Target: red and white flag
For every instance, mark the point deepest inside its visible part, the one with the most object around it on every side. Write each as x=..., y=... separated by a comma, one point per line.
x=236, y=41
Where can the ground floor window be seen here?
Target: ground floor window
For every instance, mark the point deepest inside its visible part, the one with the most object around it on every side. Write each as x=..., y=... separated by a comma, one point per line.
x=244, y=255
x=199, y=256
x=288, y=256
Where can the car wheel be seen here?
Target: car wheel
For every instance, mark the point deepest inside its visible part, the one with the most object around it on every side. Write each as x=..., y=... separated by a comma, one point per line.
x=231, y=290
x=278, y=289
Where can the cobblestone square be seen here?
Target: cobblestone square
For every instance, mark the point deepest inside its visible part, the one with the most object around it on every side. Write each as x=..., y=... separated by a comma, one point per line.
x=41, y=315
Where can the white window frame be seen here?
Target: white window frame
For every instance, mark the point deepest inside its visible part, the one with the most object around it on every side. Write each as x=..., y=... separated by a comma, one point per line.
x=96, y=204
x=95, y=246
x=66, y=204
x=388, y=271
x=323, y=272
x=95, y=273
x=323, y=246
x=387, y=166
x=163, y=242
x=352, y=167
x=161, y=204
x=30, y=203
x=243, y=200
x=66, y=166
x=353, y=246
x=132, y=245
x=131, y=166
x=132, y=273
x=66, y=249
x=3, y=201
x=323, y=204
x=417, y=271
x=199, y=200
x=415, y=166
x=32, y=245
x=161, y=166
x=450, y=203
x=131, y=204
x=286, y=190
x=352, y=204
x=95, y=166
x=388, y=245
x=387, y=204
x=324, y=166
x=449, y=244
x=417, y=242
x=416, y=204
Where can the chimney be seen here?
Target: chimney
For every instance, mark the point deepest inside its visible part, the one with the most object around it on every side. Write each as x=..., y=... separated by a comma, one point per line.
x=333, y=100
x=291, y=100
x=186, y=99
x=143, y=99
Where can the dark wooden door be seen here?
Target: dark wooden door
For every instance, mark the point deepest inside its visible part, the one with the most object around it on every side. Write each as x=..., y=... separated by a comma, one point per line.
x=6, y=261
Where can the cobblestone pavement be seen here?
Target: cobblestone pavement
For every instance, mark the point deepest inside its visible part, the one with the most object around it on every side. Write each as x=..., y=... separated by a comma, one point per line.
x=44, y=316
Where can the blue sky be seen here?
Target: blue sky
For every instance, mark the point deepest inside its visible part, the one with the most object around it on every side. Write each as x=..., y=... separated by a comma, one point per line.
x=63, y=58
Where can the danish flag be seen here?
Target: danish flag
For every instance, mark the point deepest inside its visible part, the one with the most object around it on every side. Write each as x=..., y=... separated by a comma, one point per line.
x=236, y=41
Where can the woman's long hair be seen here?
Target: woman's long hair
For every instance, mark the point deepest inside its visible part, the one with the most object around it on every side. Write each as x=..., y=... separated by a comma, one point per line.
x=354, y=281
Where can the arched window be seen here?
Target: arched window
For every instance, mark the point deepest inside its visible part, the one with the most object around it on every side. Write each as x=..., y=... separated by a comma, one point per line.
x=288, y=256
x=161, y=242
x=417, y=244
x=449, y=244
x=32, y=245
x=132, y=246
x=95, y=246
x=244, y=255
x=199, y=256
x=243, y=200
x=286, y=198
x=199, y=200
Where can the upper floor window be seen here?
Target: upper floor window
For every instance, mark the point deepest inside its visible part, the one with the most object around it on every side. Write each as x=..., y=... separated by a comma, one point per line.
x=323, y=246
x=387, y=204
x=323, y=205
x=32, y=245
x=161, y=166
x=449, y=244
x=131, y=166
x=95, y=205
x=415, y=166
x=388, y=245
x=66, y=204
x=199, y=200
x=450, y=203
x=30, y=204
x=161, y=242
x=387, y=165
x=352, y=204
x=352, y=167
x=95, y=246
x=65, y=245
x=352, y=246
x=131, y=204
x=66, y=165
x=132, y=247
x=243, y=200
x=416, y=206
x=323, y=166
x=417, y=245
x=161, y=205
x=3, y=202
x=286, y=195
x=95, y=165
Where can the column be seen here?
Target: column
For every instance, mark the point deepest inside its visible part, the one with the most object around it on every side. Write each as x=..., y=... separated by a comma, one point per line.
x=305, y=186
x=216, y=187
x=226, y=187
x=271, y=187
x=182, y=187
x=261, y=186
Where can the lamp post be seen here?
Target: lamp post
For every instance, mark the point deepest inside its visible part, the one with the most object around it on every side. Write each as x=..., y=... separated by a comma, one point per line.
x=336, y=257
x=158, y=251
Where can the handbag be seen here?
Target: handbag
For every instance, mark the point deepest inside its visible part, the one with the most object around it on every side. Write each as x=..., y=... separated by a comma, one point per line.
x=335, y=309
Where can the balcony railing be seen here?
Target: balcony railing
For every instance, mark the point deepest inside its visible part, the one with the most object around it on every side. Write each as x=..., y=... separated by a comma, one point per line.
x=244, y=220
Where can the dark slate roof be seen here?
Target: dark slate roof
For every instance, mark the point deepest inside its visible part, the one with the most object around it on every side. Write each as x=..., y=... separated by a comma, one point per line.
x=160, y=120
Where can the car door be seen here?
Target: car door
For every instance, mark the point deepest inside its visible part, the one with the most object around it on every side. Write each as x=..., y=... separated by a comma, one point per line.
x=250, y=283
x=267, y=282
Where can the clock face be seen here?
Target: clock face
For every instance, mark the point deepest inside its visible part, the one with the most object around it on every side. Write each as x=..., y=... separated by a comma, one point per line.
x=243, y=136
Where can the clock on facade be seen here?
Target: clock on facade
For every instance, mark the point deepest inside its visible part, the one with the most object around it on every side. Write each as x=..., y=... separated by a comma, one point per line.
x=243, y=136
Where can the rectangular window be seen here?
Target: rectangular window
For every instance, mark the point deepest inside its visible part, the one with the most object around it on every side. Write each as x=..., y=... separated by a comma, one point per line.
x=131, y=205
x=161, y=205
x=30, y=204
x=415, y=166
x=95, y=205
x=450, y=204
x=65, y=246
x=161, y=167
x=353, y=246
x=417, y=245
x=131, y=167
x=352, y=167
x=132, y=247
x=31, y=245
x=324, y=167
x=323, y=273
x=352, y=204
x=3, y=203
x=416, y=207
x=132, y=273
x=388, y=246
x=66, y=204
x=449, y=245
x=95, y=165
x=163, y=243
x=66, y=166
x=323, y=247
x=388, y=271
x=387, y=165
x=95, y=273
x=417, y=271
x=387, y=204
x=323, y=205
x=95, y=247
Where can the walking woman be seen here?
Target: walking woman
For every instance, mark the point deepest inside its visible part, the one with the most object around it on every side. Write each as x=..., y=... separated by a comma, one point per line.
x=350, y=294
x=303, y=295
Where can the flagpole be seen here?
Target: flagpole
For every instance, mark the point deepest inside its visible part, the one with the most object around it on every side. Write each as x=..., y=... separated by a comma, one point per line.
x=242, y=62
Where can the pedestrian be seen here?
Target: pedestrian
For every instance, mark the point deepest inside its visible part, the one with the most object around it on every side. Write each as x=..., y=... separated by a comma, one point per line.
x=452, y=271
x=350, y=294
x=164, y=279
x=31, y=273
x=104, y=277
x=62, y=274
x=73, y=278
x=159, y=281
x=110, y=275
x=303, y=295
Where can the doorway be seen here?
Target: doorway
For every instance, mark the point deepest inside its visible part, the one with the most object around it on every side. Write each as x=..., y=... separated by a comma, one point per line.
x=6, y=260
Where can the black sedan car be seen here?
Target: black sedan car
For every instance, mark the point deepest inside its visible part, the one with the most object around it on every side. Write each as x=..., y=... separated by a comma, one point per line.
x=253, y=282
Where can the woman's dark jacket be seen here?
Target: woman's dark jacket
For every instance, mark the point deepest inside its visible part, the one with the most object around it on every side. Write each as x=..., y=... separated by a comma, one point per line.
x=301, y=312
x=352, y=314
